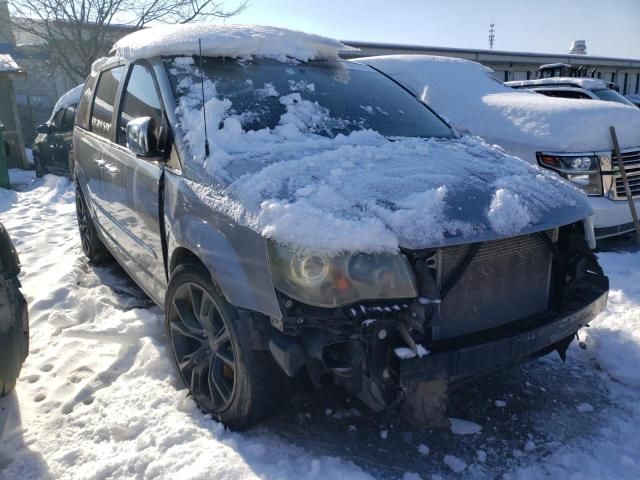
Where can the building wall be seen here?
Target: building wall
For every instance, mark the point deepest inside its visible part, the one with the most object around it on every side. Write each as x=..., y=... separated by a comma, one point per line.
x=515, y=65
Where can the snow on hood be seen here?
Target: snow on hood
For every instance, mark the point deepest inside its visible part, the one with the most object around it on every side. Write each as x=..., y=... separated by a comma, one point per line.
x=72, y=97
x=235, y=41
x=362, y=191
x=467, y=95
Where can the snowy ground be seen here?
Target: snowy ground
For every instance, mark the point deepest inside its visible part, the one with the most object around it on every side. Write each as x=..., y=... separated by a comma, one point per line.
x=98, y=397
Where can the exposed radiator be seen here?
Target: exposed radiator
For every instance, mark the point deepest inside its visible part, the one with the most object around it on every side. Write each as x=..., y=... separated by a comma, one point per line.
x=506, y=280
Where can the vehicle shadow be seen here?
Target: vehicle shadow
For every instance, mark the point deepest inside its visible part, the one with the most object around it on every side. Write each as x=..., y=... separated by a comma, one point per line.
x=16, y=459
x=535, y=413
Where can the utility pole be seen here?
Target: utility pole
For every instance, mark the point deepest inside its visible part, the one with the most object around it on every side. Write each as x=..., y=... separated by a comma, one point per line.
x=492, y=35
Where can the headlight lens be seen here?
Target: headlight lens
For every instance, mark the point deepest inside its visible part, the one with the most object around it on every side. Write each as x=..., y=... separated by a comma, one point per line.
x=581, y=170
x=340, y=280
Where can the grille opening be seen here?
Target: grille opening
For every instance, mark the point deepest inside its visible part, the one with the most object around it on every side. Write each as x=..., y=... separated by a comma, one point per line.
x=506, y=280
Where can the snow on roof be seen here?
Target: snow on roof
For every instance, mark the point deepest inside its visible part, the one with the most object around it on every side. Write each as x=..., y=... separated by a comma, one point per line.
x=236, y=41
x=69, y=98
x=467, y=95
x=8, y=64
x=360, y=192
x=586, y=83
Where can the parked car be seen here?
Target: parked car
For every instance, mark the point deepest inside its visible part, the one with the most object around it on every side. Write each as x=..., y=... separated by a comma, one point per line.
x=568, y=137
x=572, y=87
x=14, y=319
x=53, y=145
x=296, y=214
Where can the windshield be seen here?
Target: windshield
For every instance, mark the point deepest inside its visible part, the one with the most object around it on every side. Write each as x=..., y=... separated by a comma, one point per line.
x=611, y=96
x=336, y=97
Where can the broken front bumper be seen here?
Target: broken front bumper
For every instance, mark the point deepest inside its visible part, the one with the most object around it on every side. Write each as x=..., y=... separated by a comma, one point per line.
x=477, y=355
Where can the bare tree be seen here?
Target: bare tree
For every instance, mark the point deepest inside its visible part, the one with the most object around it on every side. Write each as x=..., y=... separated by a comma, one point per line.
x=77, y=32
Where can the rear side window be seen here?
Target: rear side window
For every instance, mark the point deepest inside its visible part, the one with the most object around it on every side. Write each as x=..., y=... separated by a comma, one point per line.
x=82, y=118
x=141, y=99
x=102, y=111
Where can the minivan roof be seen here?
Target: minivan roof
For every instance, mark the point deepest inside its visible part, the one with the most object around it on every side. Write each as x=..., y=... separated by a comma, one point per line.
x=235, y=41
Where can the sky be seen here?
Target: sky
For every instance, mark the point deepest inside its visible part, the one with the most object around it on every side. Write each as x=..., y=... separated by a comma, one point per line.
x=610, y=28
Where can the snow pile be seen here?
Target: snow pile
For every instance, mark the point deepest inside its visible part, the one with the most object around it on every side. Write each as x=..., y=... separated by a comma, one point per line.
x=235, y=41
x=362, y=191
x=521, y=121
x=72, y=97
x=614, y=338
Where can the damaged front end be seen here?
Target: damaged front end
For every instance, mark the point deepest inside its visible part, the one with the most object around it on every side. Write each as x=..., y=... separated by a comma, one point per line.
x=478, y=307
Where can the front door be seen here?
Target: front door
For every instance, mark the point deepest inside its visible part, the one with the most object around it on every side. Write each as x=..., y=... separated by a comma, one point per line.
x=132, y=185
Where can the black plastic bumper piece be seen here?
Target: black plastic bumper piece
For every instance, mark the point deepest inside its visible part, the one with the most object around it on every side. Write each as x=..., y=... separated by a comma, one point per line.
x=472, y=359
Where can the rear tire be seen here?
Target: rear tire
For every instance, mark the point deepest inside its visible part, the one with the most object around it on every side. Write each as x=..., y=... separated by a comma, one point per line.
x=92, y=246
x=210, y=342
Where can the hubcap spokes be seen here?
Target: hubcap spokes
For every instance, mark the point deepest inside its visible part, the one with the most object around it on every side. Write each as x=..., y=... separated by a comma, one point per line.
x=203, y=348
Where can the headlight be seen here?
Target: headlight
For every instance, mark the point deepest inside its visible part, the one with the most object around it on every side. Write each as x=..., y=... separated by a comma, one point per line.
x=335, y=281
x=581, y=170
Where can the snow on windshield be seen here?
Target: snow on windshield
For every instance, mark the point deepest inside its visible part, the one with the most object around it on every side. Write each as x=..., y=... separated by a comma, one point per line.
x=473, y=101
x=298, y=180
x=235, y=41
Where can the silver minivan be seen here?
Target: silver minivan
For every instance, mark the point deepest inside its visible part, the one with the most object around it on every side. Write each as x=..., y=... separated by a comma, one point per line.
x=167, y=187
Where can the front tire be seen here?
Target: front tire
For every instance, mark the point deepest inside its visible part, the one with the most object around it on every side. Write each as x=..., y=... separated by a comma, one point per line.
x=92, y=246
x=211, y=349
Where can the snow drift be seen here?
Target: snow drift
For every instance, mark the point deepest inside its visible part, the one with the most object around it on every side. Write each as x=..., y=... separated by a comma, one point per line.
x=236, y=41
x=473, y=101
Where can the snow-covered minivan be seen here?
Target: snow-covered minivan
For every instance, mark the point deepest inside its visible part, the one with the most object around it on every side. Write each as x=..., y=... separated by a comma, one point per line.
x=295, y=214
x=569, y=137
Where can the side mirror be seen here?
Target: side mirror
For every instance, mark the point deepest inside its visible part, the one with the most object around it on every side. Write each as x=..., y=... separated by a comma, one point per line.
x=140, y=137
x=43, y=129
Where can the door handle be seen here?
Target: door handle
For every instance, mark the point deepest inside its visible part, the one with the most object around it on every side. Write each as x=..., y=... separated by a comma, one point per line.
x=99, y=162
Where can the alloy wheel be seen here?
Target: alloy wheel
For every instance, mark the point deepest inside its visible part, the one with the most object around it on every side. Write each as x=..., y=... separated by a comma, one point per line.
x=202, y=346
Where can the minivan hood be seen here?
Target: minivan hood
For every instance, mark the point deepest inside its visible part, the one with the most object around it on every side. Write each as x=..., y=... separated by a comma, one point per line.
x=471, y=99
x=364, y=192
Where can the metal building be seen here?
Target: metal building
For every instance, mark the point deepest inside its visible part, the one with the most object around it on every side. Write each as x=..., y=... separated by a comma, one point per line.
x=518, y=65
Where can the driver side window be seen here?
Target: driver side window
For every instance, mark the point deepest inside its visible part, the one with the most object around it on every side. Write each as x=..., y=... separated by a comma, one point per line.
x=141, y=99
